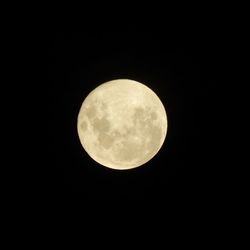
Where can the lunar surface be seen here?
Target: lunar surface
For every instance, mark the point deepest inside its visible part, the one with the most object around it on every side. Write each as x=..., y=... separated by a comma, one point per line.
x=122, y=124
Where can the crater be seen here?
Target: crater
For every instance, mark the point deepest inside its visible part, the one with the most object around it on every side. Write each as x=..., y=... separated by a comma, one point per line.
x=104, y=106
x=153, y=116
x=155, y=134
x=139, y=114
x=129, y=151
x=106, y=140
x=91, y=111
x=84, y=126
x=101, y=125
x=116, y=134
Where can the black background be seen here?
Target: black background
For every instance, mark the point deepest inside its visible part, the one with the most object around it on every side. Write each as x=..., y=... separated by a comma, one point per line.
x=182, y=69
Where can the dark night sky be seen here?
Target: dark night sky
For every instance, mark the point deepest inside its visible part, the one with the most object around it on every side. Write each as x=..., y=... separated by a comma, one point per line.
x=183, y=71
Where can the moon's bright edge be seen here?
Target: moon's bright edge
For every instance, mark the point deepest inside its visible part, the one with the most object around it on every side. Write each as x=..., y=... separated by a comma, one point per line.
x=122, y=124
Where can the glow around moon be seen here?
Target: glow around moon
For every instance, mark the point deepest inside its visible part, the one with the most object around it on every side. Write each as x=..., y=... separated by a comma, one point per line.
x=122, y=124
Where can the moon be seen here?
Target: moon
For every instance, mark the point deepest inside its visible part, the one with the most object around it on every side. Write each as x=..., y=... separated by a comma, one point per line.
x=122, y=124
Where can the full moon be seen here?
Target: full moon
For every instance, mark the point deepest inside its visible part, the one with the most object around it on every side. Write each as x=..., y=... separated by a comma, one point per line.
x=122, y=124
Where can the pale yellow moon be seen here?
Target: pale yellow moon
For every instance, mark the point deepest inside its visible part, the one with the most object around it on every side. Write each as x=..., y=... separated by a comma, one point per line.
x=122, y=124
